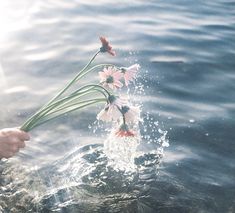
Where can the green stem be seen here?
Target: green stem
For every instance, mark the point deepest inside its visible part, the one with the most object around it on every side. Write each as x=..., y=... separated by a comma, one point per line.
x=63, y=90
x=74, y=104
x=62, y=103
x=45, y=109
x=74, y=79
x=91, y=69
x=71, y=110
x=77, y=77
x=41, y=112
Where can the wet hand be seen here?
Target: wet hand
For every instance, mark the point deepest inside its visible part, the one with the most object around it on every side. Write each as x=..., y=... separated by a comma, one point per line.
x=11, y=141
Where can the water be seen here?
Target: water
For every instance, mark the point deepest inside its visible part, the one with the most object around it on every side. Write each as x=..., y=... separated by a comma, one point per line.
x=187, y=53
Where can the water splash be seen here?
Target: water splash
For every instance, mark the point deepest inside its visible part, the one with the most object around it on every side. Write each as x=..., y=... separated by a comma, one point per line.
x=121, y=151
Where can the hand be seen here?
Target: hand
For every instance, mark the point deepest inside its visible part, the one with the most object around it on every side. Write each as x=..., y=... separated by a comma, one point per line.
x=11, y=140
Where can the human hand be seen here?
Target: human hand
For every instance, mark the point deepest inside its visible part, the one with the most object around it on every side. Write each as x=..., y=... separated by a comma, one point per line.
x=11, y=140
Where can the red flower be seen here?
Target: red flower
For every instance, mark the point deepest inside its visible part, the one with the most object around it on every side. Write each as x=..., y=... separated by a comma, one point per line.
x=124, y=132
x=106, y=46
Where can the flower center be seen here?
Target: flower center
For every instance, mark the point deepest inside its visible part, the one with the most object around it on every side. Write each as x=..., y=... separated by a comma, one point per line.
x=124, y=127
x=125, y=109
x=111, y=99
x=123, y=70
x=102, y=49
x=109, y=79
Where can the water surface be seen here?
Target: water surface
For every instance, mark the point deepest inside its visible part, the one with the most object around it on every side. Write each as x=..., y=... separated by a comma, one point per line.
x=187, y=53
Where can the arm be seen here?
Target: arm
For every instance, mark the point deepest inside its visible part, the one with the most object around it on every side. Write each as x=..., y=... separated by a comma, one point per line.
x=11, y=140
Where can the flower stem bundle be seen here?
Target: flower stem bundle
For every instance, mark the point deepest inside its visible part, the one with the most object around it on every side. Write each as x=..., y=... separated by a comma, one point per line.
x=116, y=108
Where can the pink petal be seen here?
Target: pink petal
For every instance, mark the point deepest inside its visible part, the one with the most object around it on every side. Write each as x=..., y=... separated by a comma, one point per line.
x=106, y=71
x=126, y=80
x=112, y=52
x=102, y=75
x=118, y=84
x=117, y=75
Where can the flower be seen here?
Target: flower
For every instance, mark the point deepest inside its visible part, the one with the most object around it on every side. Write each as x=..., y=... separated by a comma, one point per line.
x=131, y=113
x=110, y=77
x=103, y=115
x=106, y=46
x=124, y=131
x=111, y=111
x=129, y=73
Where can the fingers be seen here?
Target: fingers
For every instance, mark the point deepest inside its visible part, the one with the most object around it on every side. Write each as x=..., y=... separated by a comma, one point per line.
x=11, y=141
x=9, y=151
x=13, y=145
x=7, y=154
x=21, y=134
x=15, y=132
x=24, y=135
x=21, y=144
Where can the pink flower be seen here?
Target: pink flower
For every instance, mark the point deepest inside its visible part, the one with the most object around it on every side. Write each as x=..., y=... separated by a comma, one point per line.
x=106, y=46
x=130, y=73
x=124, y=131
x=110, y=77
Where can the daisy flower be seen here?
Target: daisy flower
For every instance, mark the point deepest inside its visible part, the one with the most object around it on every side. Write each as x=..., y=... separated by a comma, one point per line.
x=124, y=131
x=110, y=77
x=109, y=113
x=129, y=73
x=106, y=46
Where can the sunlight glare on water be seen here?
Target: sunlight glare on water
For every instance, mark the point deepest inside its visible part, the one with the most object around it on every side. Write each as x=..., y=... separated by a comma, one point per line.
x=3, y=81
x=13, y=16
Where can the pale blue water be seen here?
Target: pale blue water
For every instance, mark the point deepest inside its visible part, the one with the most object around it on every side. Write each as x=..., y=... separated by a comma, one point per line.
x=187, y=53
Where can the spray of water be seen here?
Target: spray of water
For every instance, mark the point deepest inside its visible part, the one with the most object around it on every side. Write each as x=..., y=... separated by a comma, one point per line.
x=121, y=151
x=151, y=140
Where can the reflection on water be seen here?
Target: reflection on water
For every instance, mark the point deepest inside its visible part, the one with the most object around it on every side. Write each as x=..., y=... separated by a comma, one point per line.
x=186, y=50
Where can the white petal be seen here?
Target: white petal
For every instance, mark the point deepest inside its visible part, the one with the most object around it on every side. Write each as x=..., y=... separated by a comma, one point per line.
x=114, y=113
x=103, y=115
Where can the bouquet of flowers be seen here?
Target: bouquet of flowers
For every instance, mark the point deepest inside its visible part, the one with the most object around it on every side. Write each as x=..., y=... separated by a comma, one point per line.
x=116, y=109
